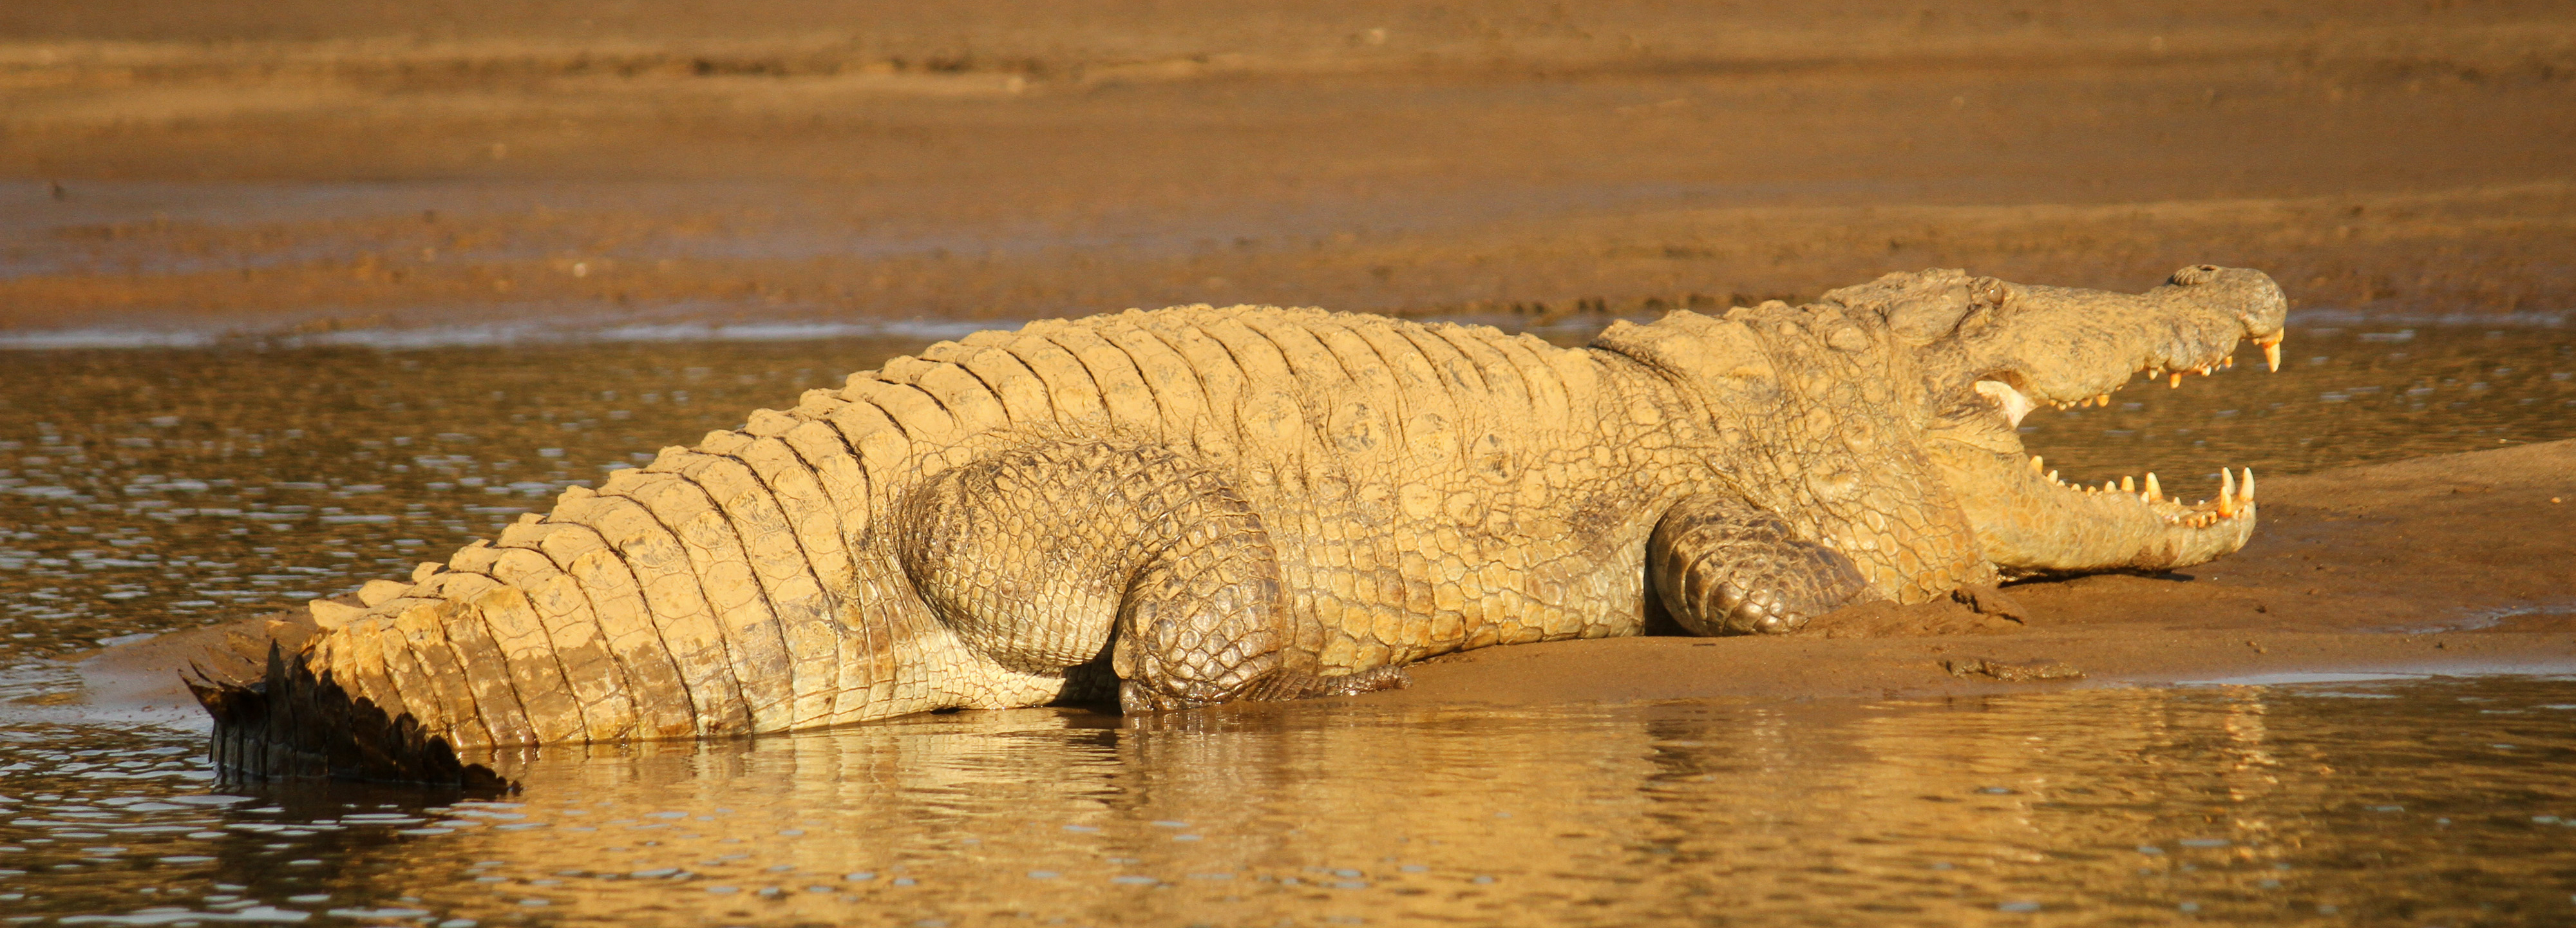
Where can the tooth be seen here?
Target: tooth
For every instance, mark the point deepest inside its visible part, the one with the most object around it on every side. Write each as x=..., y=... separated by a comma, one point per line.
x=2229, y=364
x=2052, y=478
x=2154, y=492
x=2272, y=354
x=2177, y=379
x=2249, y=485
x=2226, y=492
x=2128, y=486
x=2034, y=464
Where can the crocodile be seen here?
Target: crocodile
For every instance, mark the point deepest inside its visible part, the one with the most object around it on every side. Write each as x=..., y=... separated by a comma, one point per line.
x=1194, y=505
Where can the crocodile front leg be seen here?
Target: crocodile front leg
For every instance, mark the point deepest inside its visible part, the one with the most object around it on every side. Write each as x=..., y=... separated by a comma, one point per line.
x=1725, y=567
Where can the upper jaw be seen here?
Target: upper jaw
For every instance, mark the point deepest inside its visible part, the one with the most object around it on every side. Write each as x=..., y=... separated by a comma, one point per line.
x=2063, y=347
x=2013, y=391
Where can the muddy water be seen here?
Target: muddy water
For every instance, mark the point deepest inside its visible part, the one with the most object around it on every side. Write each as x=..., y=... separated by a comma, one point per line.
x=2440, y=802
x=148, y=490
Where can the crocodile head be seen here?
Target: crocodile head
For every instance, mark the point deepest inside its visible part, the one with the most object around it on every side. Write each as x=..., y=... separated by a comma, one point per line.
x=1988, y=352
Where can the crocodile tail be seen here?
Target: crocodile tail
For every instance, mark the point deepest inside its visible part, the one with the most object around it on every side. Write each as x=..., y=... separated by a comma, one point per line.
x=293, y=723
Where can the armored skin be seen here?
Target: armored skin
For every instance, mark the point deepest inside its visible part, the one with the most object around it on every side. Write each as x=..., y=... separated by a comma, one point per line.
x=1194, y=505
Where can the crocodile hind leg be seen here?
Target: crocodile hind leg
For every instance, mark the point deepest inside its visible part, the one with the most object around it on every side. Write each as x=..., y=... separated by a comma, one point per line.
x=1725, y=567
x=1044, y=559
x=1202, y=619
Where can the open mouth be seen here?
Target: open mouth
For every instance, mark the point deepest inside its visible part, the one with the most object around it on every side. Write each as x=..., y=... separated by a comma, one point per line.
x=2235, y=498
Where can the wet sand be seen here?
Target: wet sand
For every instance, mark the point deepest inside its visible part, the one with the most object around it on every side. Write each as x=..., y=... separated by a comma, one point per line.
x=314, y=166
x=2461, y=563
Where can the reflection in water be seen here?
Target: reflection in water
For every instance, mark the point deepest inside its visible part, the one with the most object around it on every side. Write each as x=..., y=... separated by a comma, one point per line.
x=2442, y=801
x=144, y=491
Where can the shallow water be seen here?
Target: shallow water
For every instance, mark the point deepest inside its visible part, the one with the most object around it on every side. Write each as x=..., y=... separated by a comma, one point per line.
x=148, y=490
x=2437, y=802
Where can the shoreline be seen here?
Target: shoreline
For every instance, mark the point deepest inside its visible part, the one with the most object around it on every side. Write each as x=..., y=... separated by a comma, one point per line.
x=577, y=329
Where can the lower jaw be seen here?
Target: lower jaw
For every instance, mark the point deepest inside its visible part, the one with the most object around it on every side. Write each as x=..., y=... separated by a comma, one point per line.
x=2032, y=523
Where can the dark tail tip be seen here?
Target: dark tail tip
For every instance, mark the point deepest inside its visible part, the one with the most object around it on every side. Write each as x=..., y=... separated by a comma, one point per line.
x=292, y=724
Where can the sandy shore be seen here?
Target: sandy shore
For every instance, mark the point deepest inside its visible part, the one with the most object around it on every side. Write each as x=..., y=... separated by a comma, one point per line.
x=2460, y=563
x=316, y=166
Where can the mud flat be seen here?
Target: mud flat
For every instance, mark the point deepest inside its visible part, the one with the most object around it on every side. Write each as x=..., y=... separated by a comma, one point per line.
x=2460, y=563
x=313, y=166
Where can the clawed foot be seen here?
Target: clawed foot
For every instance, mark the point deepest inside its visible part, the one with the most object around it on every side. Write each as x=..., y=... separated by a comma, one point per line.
x=1987, y=600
